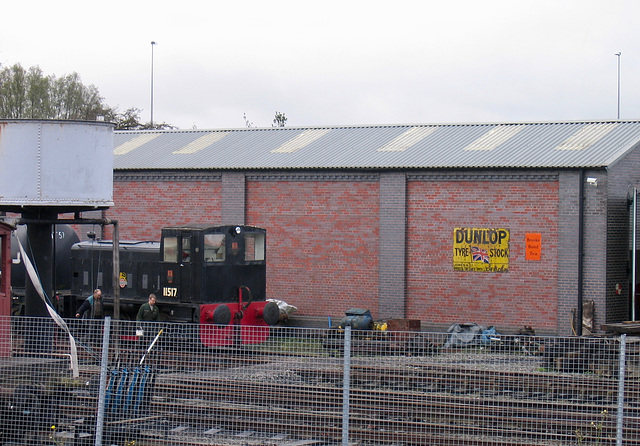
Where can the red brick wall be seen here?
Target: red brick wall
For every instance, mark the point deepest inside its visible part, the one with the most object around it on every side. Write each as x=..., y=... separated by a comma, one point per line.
x=323, y=243
x=526, y=295
x=143, y=208
x=323, y=239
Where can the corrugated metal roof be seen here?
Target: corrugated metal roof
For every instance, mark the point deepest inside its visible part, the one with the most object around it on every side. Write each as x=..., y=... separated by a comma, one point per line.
x=518, y=145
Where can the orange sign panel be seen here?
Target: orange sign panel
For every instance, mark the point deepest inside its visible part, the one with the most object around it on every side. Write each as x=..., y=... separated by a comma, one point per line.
x=533, y=246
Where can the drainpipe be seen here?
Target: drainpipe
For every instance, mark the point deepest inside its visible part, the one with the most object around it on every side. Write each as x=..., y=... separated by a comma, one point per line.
x=581, y=207
x=634, y=252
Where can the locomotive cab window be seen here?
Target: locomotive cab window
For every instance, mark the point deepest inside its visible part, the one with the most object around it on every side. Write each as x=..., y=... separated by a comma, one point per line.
x=214, y=247
x=186, y=249
x=254, y=246
x=170, y=249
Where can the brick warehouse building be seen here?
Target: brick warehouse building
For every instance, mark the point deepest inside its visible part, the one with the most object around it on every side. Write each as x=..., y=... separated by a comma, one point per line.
x=500, y=224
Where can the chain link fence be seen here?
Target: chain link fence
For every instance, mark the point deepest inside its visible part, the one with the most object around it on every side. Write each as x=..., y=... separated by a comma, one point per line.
x=154, y=384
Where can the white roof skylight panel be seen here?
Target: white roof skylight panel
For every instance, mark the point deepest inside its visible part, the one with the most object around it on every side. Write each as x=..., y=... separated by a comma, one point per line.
x=301, y=140
x=200, y=143
x=494, y=137
x=408, y=139
x=587, y=136
x=444, y=146
x=134, y=143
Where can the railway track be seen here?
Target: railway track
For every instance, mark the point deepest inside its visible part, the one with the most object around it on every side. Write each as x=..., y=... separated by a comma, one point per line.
x=414, y=404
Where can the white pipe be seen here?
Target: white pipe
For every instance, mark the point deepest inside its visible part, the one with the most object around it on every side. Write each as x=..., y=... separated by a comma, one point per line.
x=55, y=316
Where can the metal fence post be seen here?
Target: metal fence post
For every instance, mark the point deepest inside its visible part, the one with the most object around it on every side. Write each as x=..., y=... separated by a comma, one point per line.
x=346, y=384
x=621, y=372
x=103, y=380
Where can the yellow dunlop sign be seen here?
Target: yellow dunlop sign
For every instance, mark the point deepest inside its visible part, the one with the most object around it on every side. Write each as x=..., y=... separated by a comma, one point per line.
x=481, y=249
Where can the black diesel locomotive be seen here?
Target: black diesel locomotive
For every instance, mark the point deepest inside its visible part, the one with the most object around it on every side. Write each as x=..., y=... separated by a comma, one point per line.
x=212, y=276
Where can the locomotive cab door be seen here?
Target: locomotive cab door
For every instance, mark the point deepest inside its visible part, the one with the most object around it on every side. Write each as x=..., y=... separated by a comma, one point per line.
x=170, y=269
x=178, y=266
x=186, y=268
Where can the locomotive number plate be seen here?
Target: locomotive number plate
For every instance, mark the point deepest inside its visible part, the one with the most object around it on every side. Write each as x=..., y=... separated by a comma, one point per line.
x=169, y=292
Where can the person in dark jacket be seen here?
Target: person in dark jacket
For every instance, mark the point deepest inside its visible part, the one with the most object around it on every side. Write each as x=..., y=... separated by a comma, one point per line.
x=148, y=311
x=93, y=304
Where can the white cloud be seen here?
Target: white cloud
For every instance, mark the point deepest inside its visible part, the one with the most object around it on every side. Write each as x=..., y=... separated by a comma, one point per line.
x=334, y=63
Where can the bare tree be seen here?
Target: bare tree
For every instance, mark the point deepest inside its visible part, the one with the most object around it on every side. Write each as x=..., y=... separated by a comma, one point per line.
x=130, y=120
x=248, y=123
x=279, y=120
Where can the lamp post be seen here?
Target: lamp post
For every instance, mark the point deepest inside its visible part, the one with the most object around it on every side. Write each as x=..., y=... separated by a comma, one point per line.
x=618, y=54
x=152, y=45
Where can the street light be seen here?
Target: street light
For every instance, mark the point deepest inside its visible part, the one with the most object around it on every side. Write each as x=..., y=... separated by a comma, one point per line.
x=152, y=45
x=618, y=54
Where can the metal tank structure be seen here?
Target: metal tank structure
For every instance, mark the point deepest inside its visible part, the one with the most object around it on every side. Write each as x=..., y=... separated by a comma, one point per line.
x=55, y=166
x=50, y=167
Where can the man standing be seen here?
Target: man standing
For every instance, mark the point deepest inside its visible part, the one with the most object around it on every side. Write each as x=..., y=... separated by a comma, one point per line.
x=93, y=303
x=148, y=311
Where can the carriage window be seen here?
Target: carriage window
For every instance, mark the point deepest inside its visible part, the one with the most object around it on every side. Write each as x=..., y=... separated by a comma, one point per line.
x=214, y=248
x=170, y=249
x=254, y=246
x=186, y=249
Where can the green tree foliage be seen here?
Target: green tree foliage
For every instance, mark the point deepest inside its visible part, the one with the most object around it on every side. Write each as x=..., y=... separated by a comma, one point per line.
x=29, y=94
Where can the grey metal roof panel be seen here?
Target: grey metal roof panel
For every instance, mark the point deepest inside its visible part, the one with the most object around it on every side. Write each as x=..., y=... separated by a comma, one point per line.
x=493, y=145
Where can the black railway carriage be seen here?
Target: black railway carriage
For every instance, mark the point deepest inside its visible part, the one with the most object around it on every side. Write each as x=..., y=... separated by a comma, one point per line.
x=91, y=265
x=213, y=276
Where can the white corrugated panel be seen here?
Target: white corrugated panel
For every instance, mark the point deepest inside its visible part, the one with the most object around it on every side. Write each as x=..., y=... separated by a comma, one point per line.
x=200, y=143
x=408, y=139
x=494, y=137
x=587, y=136
x=302, y=140
x=134, y=143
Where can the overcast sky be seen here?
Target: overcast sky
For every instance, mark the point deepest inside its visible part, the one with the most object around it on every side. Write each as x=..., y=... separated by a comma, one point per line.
x=339, y=62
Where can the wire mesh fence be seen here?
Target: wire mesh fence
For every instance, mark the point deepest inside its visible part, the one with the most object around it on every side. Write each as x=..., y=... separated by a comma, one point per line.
x=163, y=384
